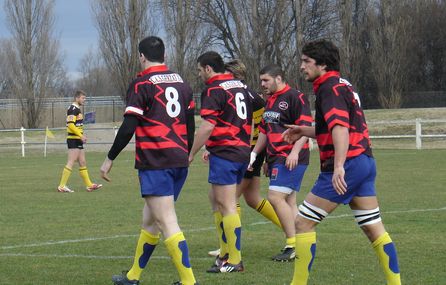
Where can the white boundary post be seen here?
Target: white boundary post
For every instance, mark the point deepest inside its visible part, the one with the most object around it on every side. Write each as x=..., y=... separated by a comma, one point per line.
x=418, y=133
x=22, y=130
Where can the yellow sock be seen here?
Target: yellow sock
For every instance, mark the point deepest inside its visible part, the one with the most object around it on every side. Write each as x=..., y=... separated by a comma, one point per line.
x=266, y=209
x=177, y=248
x=305, y=253
x=239, y=210
x=233, y=231
x=218, y=220
x=65, y=176
x=84, y=174
x=291, y=242
x=385, y=249
x=144, y=249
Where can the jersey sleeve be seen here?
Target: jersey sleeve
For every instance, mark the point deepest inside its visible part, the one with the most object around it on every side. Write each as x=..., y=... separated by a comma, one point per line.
x=334, y=106
x=71, y=115
x=304, y=117
x=136, y=102
x=210, y=105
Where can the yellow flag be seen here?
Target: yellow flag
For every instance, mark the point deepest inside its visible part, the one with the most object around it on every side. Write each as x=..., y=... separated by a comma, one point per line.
x=49, y=133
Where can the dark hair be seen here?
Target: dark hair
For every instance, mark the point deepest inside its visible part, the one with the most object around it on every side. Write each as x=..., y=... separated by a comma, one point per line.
x=213, y=59
x=152, y=48
x=237, y=68
x=274, y=70
x=324, y=52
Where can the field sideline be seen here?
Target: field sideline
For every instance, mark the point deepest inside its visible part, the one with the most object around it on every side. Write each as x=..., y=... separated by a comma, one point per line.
x=83, y=238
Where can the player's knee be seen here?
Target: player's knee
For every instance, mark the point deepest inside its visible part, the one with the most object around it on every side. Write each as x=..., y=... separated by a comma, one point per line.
x=367, y=217
x=251, y=202
x=309, y=215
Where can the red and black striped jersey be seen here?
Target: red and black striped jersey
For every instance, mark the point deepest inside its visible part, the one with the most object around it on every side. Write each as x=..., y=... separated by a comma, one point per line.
x=160, y=99
x=287, y=106
x=338, y=104
x=258, y=107
x=227, y=105
x=74, y=116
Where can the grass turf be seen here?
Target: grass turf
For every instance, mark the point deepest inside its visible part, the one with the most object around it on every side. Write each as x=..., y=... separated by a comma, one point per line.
x=83, y=238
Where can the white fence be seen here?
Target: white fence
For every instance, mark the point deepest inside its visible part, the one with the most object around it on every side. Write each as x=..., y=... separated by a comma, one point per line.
x=416, y=131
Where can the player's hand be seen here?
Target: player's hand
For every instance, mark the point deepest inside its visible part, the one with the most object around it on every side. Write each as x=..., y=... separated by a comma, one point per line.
x=338, y=181
x=191, y=158
x=252, y=158
x=105, y=169
x=292, y=160
x=205, y=156
x=84, y=138
x=292, y=134
x=265, y=169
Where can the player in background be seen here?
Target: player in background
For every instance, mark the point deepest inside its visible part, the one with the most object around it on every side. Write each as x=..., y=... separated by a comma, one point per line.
x=225, y=129
x=250, y=185
x=348, y=169
x=160, y=113
x=287, y=162
x=75, y=143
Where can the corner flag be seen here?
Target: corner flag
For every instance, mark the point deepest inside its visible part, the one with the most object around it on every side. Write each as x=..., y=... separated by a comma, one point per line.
x=49, y=133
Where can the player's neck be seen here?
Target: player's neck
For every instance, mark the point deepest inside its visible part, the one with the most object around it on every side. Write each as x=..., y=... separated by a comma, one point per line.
x=148, y=64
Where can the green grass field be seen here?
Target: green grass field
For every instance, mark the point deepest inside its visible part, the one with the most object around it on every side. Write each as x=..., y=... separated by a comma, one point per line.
x=83, y=238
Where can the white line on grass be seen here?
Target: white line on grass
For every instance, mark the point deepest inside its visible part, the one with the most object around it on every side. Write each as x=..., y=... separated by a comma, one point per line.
x=191, y=230
x=86, y=256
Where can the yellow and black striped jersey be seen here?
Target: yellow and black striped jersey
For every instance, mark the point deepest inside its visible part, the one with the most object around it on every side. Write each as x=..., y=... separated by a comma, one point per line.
x=75, y=122
x=258, y=107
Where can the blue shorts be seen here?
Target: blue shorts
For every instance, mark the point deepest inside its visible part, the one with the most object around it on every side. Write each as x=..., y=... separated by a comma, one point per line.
x=225, y=172
x=360, y=174
x=281, y=179
x=162, y=182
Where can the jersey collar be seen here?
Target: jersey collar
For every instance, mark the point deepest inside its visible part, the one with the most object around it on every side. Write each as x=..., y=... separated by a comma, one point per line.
x=224, y=76
x=152, y=69
x=321, y=79
x=283, y=90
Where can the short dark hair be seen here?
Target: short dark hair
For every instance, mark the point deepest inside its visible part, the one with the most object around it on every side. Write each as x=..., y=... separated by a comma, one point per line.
x=274, y=70
x=213, y=59
x=324, y=52
x=237, y=68
x=152, y=48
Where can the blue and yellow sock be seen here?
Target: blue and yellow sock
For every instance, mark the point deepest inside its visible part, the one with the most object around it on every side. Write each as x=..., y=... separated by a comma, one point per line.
x=233, y=230
x=385, y=249
x=266, y=209
x=65, y=176
x=83, y=171
x=218, y=220
x=305, y=253
x=144, y=249
x=177, y=248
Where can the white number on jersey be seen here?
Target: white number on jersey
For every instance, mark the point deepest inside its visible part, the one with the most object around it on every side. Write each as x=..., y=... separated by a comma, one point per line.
x=173, y=107
x=240, y=105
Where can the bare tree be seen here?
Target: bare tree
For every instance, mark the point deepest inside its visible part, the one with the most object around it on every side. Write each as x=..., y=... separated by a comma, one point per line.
x=121, y=25
x=351, y=15
x=34, y=65
x=257, y=32
x=389, y=38
x=187, y=36
x=95, y=78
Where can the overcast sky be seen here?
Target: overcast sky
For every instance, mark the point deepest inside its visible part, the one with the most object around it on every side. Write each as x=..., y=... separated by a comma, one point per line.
x=75, y=27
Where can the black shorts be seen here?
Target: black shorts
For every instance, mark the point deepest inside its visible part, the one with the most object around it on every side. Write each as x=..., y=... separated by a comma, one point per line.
x=256, y=166
x=75, y=143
